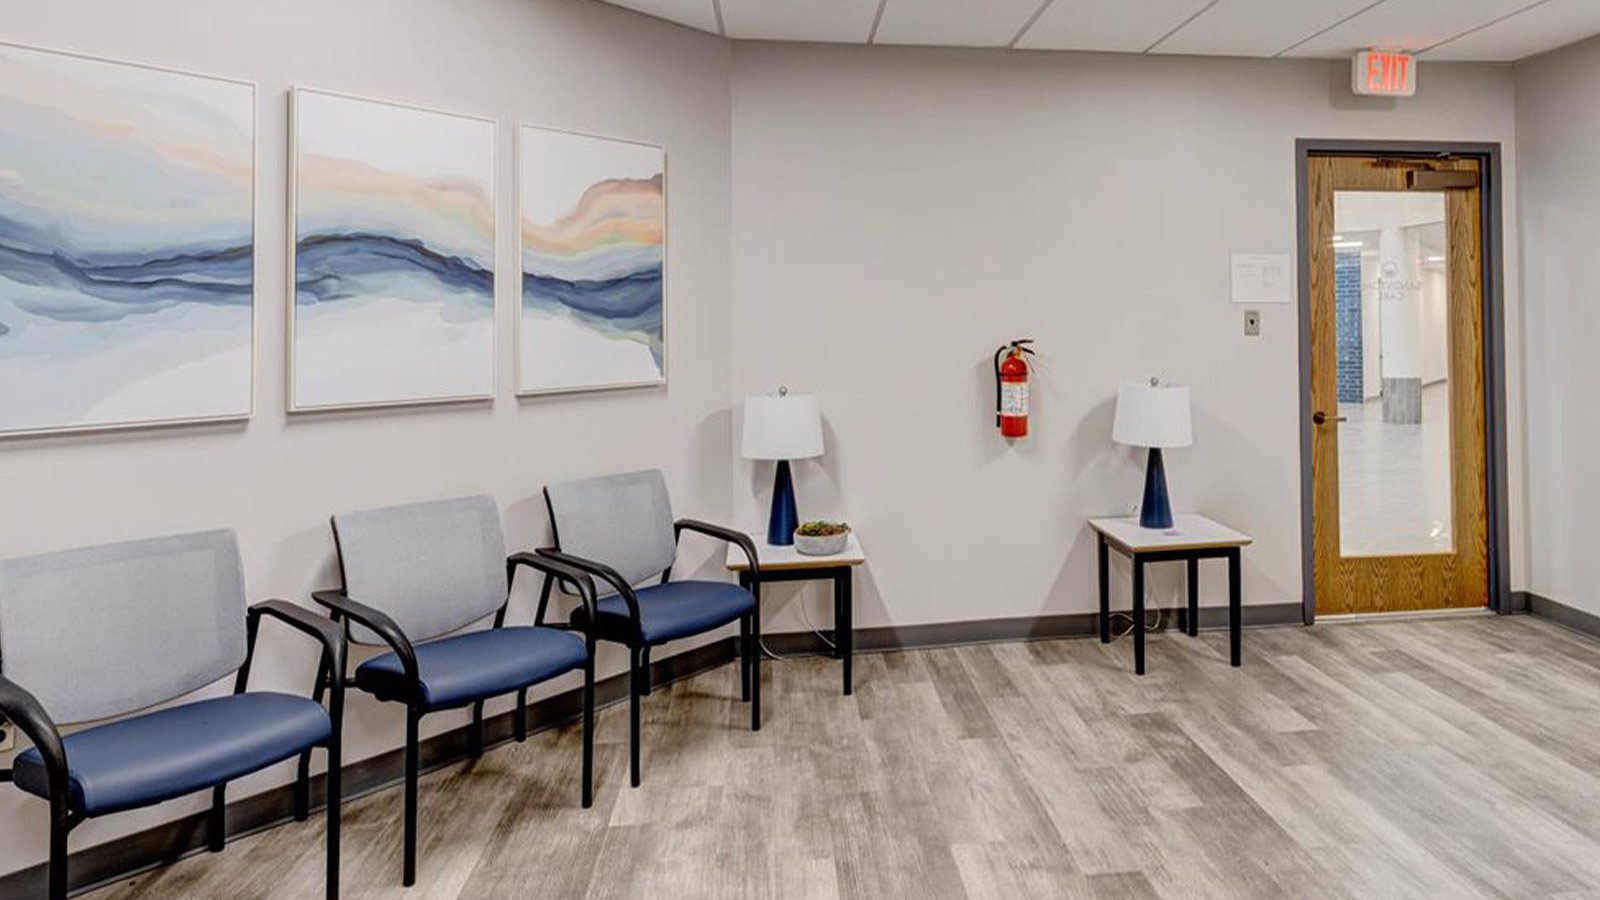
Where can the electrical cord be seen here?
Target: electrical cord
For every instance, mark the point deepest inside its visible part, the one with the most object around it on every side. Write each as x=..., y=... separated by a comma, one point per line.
x=805, y=616
x=1128, y=617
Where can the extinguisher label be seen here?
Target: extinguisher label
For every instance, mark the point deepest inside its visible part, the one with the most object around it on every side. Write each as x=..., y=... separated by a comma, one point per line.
x=1013, y=399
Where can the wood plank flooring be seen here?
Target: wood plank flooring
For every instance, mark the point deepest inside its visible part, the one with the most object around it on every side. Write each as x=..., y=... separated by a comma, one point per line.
x=1386, y=760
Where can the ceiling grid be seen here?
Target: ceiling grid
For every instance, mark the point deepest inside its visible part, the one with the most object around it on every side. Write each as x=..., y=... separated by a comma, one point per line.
x=1469, y=30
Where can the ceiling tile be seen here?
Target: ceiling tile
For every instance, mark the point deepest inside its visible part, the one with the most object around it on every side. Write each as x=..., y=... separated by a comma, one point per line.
x=1102, y=25
x=1406, y=25
x=693, y=13
x=962, y=23
x=1536, y=29
x=839, y=21
x=1256, y=27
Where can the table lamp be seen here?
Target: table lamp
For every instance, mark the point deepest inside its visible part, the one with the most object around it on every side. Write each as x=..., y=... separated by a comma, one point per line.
x=782, y=426
x=1156, y=416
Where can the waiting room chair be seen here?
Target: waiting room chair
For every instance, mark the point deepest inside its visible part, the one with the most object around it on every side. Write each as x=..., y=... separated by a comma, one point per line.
x=103, y=631
x=619, y=528
x=414, y=573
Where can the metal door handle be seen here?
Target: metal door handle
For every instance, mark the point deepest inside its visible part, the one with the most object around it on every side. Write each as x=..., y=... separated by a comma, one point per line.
x=1320, y=418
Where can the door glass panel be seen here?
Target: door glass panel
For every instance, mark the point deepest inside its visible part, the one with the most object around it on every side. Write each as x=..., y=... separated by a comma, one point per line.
x=1391, y=299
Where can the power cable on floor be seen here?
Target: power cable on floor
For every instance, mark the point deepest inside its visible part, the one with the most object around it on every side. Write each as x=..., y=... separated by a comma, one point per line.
x=805, y=615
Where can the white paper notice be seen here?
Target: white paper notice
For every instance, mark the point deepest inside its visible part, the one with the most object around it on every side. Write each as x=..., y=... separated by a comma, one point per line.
x=1262, y=278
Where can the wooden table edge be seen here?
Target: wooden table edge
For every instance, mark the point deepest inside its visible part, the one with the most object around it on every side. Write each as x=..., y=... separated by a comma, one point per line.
x=821, y=563
x=1203, y=545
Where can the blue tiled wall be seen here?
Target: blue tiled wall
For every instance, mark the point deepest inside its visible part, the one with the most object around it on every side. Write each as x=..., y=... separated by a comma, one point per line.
x=1347, y=312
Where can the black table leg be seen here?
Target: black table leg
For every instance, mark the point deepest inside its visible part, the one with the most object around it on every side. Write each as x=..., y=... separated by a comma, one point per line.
x=838, y=614
x=1138, y=615
x=1194, y=597
x=844, y=625
x=1234, y=611
x=1105, y=592
x=744, y=643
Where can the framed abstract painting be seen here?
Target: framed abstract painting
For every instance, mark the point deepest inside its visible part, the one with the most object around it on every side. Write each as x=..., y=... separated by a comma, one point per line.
x=592, y=212
x=392, y=254
x=127, y=244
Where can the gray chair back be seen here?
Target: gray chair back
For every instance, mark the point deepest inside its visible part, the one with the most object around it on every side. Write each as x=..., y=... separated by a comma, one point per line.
x=102, y=631
x=624, y=521
x=432, y=567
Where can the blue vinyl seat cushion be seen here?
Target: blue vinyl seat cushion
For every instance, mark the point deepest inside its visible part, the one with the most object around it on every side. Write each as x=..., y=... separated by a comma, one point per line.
x=476, y=665
x=171, y=752
x=674, y=610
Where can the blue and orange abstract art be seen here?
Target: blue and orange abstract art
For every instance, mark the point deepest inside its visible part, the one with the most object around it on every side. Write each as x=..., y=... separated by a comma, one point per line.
x=393, y=254
x=593, y=214
x=127, y=220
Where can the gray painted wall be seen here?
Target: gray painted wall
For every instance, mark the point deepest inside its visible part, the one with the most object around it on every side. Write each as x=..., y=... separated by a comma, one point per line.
x=584, y=66
x=901, y=212
x=1558, y=134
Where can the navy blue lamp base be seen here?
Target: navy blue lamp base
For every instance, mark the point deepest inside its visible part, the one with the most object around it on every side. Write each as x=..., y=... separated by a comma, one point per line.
x=785, y=518
x=1156, y=510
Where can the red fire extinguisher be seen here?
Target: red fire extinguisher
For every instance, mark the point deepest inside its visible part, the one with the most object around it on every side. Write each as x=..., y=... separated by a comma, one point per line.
x=1011, y=388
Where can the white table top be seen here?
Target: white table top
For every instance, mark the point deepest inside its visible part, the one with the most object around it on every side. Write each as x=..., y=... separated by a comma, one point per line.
x=1188, y=532
x=772, y=557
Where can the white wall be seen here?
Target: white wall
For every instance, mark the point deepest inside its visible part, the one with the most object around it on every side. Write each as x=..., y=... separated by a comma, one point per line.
x=885, y=218
x=899, y=213
x=1558, y=130
x=584, y=66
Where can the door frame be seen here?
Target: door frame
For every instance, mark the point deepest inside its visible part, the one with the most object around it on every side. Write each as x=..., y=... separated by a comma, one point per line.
x=1501, y=599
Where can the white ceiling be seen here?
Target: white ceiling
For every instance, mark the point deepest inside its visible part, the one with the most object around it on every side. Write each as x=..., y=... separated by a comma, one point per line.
x=1477, y=30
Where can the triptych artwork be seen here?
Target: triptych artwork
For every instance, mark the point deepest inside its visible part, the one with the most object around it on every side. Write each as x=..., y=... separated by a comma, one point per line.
x=127, y=242
x=393, y=254
x=593, y=237
x=127, y=251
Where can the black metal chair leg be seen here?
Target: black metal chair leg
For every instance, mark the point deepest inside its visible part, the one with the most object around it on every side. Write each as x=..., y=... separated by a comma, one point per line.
x=644, y=671
x=635, y=685
x=59, y=827
x=755, y=670
x=588, y=728
x=519, y=720
x=302, y=789
x=475, y=733
x=744, y=659
x=335, y=798
x=409, y=876
x=217, y=821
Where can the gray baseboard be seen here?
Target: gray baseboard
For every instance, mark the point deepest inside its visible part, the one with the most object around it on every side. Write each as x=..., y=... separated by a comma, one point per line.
x=1561, y=613
x=1027, y=628
x=120, y=858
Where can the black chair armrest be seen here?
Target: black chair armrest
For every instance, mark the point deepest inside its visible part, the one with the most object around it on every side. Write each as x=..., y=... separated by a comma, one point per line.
x=380, y=623
x=737, y=538
x=600, y=570
x=324, y=630
x=552, y=567
x=22, y=709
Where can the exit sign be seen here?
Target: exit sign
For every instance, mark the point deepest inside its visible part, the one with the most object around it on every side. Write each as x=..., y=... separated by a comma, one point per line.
x=1384, y=73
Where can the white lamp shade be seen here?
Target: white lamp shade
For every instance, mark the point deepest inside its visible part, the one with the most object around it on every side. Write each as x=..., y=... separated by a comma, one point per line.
x=1153, y=416
x=786, y=426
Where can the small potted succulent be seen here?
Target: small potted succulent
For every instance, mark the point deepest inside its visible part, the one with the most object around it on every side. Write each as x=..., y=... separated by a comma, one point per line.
x=821, y=538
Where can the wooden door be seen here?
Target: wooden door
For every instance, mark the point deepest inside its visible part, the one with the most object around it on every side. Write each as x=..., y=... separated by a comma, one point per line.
x=1399, y=470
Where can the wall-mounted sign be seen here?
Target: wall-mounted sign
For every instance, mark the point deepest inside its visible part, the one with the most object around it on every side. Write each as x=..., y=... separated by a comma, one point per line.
x=1384, y=73
x=1262, y=278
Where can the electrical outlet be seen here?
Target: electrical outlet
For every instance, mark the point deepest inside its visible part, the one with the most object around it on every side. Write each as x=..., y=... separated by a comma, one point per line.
x=1252, y=323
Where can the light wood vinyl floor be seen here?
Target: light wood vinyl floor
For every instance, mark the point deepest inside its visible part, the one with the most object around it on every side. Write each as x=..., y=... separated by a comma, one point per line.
x=1449, y=758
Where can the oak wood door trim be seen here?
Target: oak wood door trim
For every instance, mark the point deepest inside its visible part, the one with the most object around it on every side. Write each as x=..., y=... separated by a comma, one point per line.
x=1361, y=584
